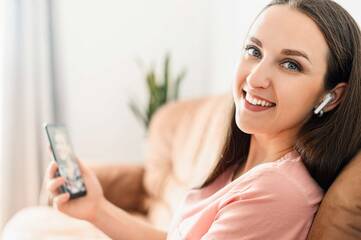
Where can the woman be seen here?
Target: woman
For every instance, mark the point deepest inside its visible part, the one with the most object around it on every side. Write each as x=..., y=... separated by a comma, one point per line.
x=302, y=63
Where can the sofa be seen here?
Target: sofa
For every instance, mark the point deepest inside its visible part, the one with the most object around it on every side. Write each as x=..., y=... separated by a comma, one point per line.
x=184, y=141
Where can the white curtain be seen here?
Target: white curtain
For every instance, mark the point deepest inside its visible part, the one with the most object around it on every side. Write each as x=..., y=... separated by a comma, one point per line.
x=27, y=93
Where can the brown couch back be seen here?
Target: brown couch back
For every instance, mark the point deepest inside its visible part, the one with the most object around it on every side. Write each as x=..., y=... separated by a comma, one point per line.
x=185, y=141
x=339, y=216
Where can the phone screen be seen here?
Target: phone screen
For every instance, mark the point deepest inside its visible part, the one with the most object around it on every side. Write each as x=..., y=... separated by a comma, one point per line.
x=67, y=164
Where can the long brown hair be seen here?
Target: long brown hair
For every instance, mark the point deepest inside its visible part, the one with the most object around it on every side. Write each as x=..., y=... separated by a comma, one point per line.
x=328, y=143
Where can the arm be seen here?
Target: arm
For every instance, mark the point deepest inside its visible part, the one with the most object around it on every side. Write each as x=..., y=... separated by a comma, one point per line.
x=120, y=180
x=95, y=208
x=118, y=224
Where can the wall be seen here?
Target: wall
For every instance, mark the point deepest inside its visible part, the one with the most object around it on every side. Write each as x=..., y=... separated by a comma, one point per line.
x=97, y=45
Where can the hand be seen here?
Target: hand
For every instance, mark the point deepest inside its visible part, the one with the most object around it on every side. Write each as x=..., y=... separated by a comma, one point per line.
x=85, y=207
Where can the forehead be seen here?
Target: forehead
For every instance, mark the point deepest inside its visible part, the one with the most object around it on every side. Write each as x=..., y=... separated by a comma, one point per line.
x=280, y=27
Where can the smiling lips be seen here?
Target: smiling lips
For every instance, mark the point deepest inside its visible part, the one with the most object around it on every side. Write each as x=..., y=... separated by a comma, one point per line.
x=256, y=104
x=257, y=101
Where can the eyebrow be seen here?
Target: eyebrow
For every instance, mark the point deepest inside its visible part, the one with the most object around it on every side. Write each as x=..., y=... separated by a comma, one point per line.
x=256, y=41
x=289, y=52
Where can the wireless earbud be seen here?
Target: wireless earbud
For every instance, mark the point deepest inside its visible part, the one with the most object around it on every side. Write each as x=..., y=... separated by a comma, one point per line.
x=326, y=100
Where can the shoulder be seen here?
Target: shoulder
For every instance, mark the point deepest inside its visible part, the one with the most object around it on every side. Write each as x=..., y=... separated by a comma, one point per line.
x=266, y=203
x=280, y=182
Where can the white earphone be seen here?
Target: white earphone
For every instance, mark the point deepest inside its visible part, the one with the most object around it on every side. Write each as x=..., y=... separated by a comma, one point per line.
x=326, y=100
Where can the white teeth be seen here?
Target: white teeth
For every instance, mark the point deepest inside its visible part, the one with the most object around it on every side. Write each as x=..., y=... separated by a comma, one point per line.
x=257, y=101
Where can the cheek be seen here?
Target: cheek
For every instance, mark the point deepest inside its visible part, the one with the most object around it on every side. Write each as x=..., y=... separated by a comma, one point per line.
x=294, y=109
x=239, y=79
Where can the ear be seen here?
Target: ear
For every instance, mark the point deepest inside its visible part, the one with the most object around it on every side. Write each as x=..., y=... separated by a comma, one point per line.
x=338, y=92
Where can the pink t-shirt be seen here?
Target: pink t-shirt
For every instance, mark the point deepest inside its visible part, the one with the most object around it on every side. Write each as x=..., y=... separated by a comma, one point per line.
x=273, y=200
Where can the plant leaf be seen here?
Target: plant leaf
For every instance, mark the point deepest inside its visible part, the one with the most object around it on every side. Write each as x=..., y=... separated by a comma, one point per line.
x=159, y=92
x=138, y=114
x=177, y=83
x=166, y=75
x=151, y=81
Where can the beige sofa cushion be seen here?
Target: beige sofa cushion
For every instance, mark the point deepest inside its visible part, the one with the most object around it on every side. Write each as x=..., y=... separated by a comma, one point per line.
x=185, y=140
x=44, y=223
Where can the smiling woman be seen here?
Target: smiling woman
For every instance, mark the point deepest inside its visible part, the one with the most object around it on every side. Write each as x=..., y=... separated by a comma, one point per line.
x=299, y=55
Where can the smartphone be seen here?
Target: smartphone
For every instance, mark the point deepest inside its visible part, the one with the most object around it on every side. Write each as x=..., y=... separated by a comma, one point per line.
x=65, y=158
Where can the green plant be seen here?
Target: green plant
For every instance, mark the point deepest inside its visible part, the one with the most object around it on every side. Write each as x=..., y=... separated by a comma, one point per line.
x=160, y=91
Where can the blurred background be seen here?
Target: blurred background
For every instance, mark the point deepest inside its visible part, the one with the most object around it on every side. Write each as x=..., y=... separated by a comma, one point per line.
x=81, y=63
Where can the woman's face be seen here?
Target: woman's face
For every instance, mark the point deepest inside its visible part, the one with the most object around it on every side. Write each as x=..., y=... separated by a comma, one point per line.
x=284, y=62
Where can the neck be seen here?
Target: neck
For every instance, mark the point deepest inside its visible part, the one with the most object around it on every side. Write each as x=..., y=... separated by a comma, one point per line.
x=266, y=148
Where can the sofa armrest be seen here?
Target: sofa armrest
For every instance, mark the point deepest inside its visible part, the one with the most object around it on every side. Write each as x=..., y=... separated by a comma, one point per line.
x=122, y=185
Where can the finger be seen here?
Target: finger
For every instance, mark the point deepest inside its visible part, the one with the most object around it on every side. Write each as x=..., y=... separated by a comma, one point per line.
x=60, y=200
x=52, y=168
x=54, y=184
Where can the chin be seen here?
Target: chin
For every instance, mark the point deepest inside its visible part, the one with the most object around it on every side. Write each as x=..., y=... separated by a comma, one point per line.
x=250, y=127
x=243, y=126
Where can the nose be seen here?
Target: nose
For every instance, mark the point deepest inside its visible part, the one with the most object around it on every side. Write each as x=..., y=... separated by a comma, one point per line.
x=259, y=75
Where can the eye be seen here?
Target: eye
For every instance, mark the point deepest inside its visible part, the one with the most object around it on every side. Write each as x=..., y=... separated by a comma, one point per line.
x=292, y=66
x=253, y=51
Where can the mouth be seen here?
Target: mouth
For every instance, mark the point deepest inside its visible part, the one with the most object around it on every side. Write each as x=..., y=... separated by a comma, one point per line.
x=256, y=101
